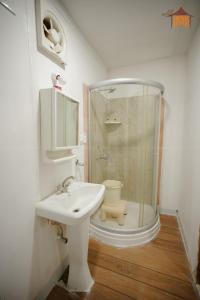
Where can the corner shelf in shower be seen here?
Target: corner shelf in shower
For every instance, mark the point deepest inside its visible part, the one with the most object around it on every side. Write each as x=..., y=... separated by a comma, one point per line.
x=112, y=122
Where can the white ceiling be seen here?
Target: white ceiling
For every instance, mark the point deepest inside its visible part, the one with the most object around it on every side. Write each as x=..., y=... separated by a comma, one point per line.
x=126, y=32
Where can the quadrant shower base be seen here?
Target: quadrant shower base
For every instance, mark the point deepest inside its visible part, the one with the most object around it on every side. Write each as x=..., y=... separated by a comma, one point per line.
x=129, y=234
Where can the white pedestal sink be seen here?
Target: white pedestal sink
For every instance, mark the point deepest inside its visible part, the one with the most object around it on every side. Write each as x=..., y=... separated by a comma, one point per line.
x=74, y=209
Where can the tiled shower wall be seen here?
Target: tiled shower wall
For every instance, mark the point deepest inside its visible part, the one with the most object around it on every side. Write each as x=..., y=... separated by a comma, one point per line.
x=130, y=147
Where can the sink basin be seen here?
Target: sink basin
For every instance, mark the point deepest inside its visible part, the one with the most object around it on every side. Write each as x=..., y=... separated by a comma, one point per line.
x=74, y=209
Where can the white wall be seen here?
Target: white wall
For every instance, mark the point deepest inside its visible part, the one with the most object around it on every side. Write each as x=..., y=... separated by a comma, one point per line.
x=190, y=198
x=171, y=73
x=30, y=255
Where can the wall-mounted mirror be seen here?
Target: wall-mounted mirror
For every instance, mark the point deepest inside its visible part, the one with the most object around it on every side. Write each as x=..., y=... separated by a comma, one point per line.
x=59, y=123
x=66, y=121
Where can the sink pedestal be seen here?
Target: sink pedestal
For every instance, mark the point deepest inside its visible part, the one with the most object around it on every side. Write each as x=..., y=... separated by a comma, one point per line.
x=80, y=279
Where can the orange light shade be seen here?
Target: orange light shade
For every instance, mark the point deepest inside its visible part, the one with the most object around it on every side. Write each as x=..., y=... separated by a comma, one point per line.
x=181, y=21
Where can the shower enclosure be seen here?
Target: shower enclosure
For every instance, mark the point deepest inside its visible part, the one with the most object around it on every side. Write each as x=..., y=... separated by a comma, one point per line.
x=124, y=144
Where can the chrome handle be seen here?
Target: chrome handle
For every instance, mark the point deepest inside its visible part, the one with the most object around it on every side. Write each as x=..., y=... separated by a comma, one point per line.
x=6, y=6
x=59, y=189
x=103, y=157
x=80, y=163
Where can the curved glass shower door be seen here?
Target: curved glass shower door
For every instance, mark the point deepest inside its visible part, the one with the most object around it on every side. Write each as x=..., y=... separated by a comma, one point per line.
x=124, y=137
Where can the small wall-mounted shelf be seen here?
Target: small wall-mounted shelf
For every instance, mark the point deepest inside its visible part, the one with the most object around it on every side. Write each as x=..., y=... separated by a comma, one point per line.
x=59, y=160
x=111, y=122
x=59, y=156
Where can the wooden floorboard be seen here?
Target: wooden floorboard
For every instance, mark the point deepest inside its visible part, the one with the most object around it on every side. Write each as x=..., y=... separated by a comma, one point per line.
x=98, y=292
x=128, y=286
x=158, y=270
x=149, y=256
x=169, y=221
x=155, y=279
x=58, y=293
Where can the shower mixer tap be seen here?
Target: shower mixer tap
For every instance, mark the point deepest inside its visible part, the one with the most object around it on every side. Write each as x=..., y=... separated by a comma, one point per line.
x=103, y=157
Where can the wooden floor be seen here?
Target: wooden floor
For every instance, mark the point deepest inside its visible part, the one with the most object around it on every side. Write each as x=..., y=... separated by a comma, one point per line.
x=158, y=270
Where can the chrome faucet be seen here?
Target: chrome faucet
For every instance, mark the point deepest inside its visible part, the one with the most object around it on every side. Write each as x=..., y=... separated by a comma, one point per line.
x=103, y=156
x=64, y=186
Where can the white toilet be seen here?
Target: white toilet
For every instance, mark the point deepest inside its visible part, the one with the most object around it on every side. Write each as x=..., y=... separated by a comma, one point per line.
x=112, y=205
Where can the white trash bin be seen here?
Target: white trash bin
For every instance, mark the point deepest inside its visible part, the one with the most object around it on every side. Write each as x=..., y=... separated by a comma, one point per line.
x=112, y=192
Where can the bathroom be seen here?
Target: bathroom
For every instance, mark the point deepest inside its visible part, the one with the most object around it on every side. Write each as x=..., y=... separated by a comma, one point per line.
x=136, y=40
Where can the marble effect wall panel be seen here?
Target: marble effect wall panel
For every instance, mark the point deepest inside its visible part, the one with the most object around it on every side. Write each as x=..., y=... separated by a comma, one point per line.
x=98, y=137
x=130, y=146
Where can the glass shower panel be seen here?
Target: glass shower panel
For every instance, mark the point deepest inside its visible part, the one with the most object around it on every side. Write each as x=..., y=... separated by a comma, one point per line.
x=98, y=139
x=124, y=127
x=148, y=149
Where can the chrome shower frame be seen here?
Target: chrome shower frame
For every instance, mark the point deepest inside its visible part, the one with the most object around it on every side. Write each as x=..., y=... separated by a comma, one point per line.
x=116, y=81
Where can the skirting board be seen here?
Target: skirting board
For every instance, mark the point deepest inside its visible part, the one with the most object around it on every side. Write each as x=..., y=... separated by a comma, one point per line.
x=53, y=280
x=175, y=213
x=169, y=212
x=181, y=228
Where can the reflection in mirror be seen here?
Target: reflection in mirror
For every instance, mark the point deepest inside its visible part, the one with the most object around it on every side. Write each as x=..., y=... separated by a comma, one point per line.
x=66, y=121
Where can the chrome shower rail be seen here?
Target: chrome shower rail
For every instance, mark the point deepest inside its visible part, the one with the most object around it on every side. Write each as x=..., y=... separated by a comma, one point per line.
x=116, y=81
